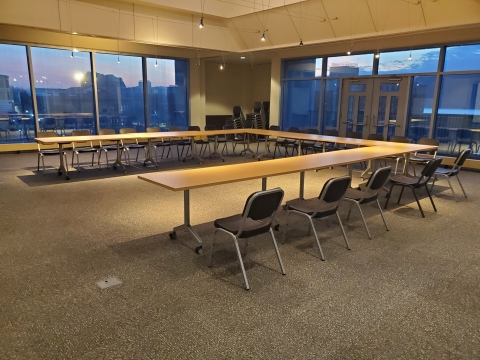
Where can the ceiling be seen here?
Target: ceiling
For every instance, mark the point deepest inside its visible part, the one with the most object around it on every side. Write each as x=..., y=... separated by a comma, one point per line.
x=235, y=27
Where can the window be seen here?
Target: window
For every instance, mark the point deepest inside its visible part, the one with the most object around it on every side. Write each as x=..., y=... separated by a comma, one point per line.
x=302, y=68
x=354, y=65
x=167, y=92
x=300, y=104
x=16, y=109
x=420, y=110
x=64, y=90
x=330, y=104
x=409, y=62
x=120, y=92
x=462, y=58
x=458, y=115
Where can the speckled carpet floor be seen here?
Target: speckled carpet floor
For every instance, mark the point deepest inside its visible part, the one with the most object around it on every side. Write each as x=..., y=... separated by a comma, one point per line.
x=410, y=293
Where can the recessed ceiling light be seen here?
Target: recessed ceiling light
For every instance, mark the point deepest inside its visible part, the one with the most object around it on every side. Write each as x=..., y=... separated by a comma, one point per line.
x=242, y=57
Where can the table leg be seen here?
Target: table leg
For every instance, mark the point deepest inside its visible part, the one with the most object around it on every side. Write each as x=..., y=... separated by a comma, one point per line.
x=186, y=223
x=149, y=156
x=299, y=150
x=406, y=164
x=302, y=185
x=264, y=184
x=367, y=170
x=193, y=152
x=63, y=167
x=215, y=150
x=118, y=160
x=266, y=152
x=247, y=149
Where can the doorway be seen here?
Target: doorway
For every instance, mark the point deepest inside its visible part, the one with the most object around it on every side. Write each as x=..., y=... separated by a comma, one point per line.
x=373, y=106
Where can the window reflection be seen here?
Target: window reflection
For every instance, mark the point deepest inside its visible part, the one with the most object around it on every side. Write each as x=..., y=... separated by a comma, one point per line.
x=409, y=62
x=120, y=92
x=302, y=68
x=462, y=58
x=64, y=90
x=16, y=109
x=330, y=104
x=421, y=103
x=301, y=103
x=355, y=65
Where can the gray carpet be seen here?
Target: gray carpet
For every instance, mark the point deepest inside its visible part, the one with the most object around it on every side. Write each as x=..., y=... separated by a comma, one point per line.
x=410, y=293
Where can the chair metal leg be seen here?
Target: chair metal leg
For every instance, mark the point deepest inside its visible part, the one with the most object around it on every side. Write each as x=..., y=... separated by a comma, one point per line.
x=451, y=188
x=431, y=199
x=400, y=196
x=73, y=157
x=276, y=250
x=363, y=219
x=381, y=214
x=343, y=230
x=43, y=164
x=418, y=202
x=241, y=262
x=316, y=238
x=38, y=162
x=463, y=190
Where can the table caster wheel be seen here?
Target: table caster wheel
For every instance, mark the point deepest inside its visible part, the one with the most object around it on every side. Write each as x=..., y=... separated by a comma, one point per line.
x=183, y=160
x=114, y=168
x=59, y=173
x=67, y=178
x=199, y=250
x=223, y=160
x=145, y=164
x=173, y=235
x=276, y=227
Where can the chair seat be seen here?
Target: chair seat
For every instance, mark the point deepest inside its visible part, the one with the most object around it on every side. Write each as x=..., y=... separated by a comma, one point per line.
x=357, y=194
x=251, y=227
x=49, y=152
x=134, y=146
x=162, y=143
x=110, y=147
x=86, y=149
x=313, y=206
x=420, y=159
x=448, y=172
x=405, y=180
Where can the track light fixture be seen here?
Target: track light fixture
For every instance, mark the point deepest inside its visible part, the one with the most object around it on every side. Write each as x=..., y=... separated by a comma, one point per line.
x=263, y=38
x=156, y=63
x=221, y=66
x=377, y=55
x=410, y=56
x=72, y=55
x=118, y=59
x=301, y=43
x=200, y=25
x=349, y=52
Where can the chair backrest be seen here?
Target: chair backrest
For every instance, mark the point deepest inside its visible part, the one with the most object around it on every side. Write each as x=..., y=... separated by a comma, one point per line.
x=377, y=137
x=354, y=135
x=429, y=170
x=294, y=129
x=399, y=139
x=334, y=189
x=375, y=183
x=274, y=128
x=311, y=131
x=193, y=128
x=248, y=124
x=257, y=107
x=106, y=132
x=44, y=134
x=331, y=133
x=261, y=205
x=460, y=160
x=210, y=127
x=153, y=129
x=429, y=141
x=128, y=131
x=81, y=143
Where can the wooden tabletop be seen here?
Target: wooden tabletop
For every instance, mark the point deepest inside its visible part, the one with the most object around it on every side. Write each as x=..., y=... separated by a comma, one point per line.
x=201, y=177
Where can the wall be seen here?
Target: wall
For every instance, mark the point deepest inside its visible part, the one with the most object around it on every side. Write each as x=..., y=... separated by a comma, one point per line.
x=236, y=84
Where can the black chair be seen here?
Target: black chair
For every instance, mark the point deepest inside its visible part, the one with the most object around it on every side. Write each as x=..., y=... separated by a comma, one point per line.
x=423, y=158
x=235, y=139
x=106, y=146
x=325, y=205
x=48, y=123
x=132, y=143
x=415, y=183
x=368, y=192
x=352, y=135
x=202, y=141
x=376, y=137
x=48, y=150
x=84, y=147
x=443, y=135
x=329, y=146
x=463, y=137
x=286, y=142
x=179, y=141
x=70, y=123
x=159, y=143
x=216, y=139
x=256, y=219
x=307, y=145
x=270, y=139
x=447, y=173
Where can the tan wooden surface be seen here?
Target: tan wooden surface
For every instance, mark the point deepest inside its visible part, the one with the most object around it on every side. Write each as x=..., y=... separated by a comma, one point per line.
x=196, y=178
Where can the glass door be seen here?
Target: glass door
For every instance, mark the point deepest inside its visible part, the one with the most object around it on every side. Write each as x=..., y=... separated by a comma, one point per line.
x=388, y=106
x=356, y=104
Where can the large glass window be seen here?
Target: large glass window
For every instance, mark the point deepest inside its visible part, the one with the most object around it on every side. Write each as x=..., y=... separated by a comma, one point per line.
x=458, y=115
x=300, y=104
x=16, y=109
x=120, y=92
x=302, y=68
x=420, y=110
x=462, y=58
x=167, y=92
x=409, y=62
x=64, y=90
x=330, y=104
x=353, y=65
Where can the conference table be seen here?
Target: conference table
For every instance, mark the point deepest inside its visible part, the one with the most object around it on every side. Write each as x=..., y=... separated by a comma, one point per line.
x=186, y=180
